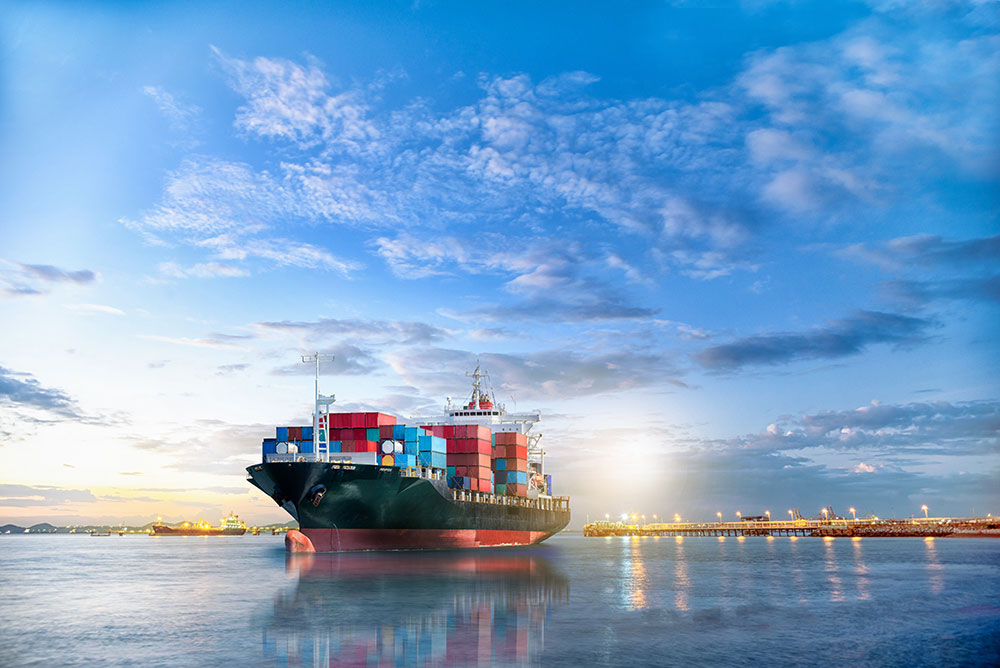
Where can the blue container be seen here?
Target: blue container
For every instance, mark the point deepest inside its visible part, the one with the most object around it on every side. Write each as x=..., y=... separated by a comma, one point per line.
x=335, y=446
x=433, y=459
x=520, y=476
x=281, y=433
x=306, y=446
x=411, y=433
x=399, y=432
x=548, y=489
x=268, y=446
x=500, y=464
x=406, y=461
x=500, y=477
x=307, y=433
x=411, y=448
x=372, y=434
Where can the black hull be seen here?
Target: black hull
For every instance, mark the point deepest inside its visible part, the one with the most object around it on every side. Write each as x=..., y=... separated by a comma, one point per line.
x=344, y=507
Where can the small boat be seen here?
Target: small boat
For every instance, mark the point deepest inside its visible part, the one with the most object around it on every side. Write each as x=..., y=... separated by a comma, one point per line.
x=231, y=526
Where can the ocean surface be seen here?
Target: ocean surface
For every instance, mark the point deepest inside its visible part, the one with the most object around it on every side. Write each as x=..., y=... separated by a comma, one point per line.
x=68, y=600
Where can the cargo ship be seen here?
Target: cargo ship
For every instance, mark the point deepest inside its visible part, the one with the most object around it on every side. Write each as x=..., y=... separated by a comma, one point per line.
x=471, y=477
x=230, y=526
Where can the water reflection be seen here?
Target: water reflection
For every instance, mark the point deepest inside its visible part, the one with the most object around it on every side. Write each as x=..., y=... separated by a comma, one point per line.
x=833, y=571
x=682, y=583
x=934, y=566
x=633, y=573
x=439, y=609
x=861, y=570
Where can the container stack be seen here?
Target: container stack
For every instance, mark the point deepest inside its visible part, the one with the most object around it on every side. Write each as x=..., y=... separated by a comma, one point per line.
x=468, y=456
x=510, y=463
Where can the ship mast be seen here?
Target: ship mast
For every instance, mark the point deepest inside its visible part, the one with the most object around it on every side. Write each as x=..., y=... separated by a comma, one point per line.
x=320, y=436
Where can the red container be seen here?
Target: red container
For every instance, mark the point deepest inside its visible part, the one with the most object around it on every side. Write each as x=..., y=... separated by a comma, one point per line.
x=365, y=446
x=347, y=446
x=295, y=433
x=478, y=431
x=385, y=420
x=510, y=438
x=480, y=460
x=359, y=434
x=478, y=472
x=462, y=470
x=357, y=421
x=481, y=447
x=385, y=431
x=521, y=452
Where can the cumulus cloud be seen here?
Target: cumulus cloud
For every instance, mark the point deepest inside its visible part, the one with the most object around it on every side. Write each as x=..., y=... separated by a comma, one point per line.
x=840, y=338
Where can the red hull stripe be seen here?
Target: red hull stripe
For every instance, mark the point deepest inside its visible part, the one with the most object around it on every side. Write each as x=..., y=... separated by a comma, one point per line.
x=341, y=540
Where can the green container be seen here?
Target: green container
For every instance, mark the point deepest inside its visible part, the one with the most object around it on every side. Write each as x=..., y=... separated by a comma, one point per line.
x=373, y=434
x=500, y=488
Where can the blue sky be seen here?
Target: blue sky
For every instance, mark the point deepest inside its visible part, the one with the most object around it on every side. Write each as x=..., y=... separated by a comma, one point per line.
x=741, y=255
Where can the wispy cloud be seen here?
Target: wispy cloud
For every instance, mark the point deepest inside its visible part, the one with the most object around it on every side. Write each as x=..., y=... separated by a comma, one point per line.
x=24, y=390
x=840, y=338
x=95, y=308
x=386, y=331
x=182, y=117
x=194, y=342
x=22, y=496
x=20, y=279
x=542, y=374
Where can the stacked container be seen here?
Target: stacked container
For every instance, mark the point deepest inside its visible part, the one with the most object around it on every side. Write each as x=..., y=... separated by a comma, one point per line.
x=510, y=463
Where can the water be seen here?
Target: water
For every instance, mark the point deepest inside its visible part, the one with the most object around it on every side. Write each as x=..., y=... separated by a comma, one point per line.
x=70, y=600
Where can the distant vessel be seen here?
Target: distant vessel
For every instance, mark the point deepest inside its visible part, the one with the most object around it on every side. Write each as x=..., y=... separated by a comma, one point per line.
x=231, y=526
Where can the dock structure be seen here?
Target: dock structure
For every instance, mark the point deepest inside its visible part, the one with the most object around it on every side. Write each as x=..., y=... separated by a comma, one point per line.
x=816, y=528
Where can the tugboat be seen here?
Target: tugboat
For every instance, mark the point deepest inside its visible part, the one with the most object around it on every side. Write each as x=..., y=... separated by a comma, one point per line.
x=231, y=526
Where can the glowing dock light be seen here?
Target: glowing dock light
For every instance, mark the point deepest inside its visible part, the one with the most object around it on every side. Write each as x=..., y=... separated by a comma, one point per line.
x=791, y=514
x=924, y=508
x=719, y=515
x=739, y=514
x=853, y=514
x=768, y=513
x=677, y=518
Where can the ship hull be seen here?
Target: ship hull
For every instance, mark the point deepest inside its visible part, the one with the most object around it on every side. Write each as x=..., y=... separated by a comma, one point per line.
x=346, y=508
x=179, y=531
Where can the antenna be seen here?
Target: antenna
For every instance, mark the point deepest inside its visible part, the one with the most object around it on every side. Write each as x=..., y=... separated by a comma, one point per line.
x=322, y=444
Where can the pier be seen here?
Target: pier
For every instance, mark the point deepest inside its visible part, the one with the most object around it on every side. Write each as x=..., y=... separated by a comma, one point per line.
x=816, y=528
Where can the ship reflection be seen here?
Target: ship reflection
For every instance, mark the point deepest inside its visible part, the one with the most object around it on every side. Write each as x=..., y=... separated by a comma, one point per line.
x=436, y=609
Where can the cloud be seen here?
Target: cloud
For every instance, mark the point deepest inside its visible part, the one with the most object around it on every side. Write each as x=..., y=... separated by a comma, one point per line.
x=35, y=279
x=933, y=268
x=547, y=279
x=95, y=308
x=348, y=360
x=195, y=343
x=386, y=331
x=228, y=369
x=887, y=430
x=182, y=117
x=234, y=213
x=25, y=495
x=202, y=270
x=23, y=390
x=840, y=338
x=542, y=374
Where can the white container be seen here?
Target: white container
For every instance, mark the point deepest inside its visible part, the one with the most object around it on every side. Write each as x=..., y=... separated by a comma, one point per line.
x=281, y=448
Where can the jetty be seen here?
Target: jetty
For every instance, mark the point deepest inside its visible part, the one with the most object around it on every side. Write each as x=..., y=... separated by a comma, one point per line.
x=923, y=527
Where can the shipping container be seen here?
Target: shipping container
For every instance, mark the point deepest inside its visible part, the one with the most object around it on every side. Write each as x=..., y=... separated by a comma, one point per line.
x=406, y=461
x=295, y=433
x=335, y=446
x=386, y=432
x=281, y=433
x=451, y=470
x=388, y=460
x=399, y=432
x=307, y=433
x=411, y=448
x=372, y=434
x=499, y=488
x=268, y=446
x=432, y=459
x=500, y=464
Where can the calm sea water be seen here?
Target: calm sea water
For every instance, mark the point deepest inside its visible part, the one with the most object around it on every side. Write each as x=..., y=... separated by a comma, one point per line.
x=574, y=601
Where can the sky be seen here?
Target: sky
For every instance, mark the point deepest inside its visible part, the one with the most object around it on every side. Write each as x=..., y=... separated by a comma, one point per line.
x=743, y=256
